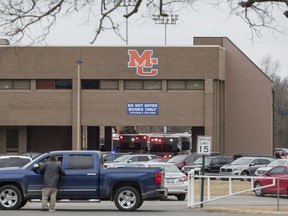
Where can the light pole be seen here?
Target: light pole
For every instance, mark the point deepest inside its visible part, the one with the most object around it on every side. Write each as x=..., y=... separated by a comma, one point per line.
x=165, y=20
x=126, y=4
x=78, y=62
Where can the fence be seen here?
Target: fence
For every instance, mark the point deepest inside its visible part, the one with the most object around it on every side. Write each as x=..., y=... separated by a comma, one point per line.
x=269, y=193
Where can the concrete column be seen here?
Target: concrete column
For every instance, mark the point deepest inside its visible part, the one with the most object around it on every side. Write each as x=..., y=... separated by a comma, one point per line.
x=209, y=117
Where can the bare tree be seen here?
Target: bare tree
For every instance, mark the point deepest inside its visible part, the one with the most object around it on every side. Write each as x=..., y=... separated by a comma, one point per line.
x=280, y=87
x=18, y=18
x=270, y=67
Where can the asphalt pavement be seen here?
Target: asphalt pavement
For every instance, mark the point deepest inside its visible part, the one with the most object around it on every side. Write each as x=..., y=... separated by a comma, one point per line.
x=167, y=207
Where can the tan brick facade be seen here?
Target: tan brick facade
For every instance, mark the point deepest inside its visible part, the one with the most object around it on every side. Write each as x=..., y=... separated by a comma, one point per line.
x=235, y=108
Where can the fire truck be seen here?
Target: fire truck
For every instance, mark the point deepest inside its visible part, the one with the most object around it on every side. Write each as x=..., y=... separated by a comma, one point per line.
x=135, y=143
x=168, y=145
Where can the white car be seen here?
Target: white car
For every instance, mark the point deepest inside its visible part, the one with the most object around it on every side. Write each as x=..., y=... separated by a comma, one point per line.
x=176, y=181
x=269, y=166
x=14, y=161
x=125, y=160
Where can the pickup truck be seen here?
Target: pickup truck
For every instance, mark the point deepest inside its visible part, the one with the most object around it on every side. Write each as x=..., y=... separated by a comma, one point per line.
x=84, y=179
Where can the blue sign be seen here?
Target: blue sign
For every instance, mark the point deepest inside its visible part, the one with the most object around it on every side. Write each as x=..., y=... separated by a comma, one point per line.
x=142, y=108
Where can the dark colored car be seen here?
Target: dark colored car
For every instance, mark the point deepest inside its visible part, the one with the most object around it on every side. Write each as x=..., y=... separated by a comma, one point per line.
x=183, y=159
x=279, y=186
x=212, y=164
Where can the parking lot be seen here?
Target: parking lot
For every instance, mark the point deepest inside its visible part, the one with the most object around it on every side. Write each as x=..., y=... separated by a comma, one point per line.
x=167, y=207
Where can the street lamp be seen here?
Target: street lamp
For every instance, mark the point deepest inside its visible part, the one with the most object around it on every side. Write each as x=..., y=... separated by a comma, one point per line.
x=78, y=62
x=126, y=4
x=165, y=20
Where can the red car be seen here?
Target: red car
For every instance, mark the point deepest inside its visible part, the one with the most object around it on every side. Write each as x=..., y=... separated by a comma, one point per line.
x=280, y=173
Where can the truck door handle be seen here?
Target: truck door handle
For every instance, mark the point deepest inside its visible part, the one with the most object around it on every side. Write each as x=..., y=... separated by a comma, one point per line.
x=91, y=174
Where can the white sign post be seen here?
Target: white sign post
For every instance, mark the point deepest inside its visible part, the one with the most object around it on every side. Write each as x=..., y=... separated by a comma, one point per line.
x=204, y=145
x=204, y=148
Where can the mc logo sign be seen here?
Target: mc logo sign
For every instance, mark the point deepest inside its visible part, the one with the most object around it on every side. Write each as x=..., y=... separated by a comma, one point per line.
x=143, y=63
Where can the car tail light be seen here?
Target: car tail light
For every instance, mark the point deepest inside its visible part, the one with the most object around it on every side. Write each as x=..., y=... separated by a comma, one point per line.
x=160, y=141
x=183, y=178
x=158, y=178
x=121, y=137
x=145, y=137
x=137, y=138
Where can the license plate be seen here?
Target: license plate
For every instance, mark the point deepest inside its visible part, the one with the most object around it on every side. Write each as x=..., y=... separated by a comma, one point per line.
x=170, y=181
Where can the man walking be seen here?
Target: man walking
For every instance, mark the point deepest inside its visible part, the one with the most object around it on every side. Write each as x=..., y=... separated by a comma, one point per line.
x=52, y=172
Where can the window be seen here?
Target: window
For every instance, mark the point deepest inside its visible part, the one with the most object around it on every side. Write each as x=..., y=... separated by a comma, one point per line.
x=15, y=84
x=142, y=84
x=54, y=84
x=12, y=139
x=100, y=84
x=80, y=162
x=186, y=84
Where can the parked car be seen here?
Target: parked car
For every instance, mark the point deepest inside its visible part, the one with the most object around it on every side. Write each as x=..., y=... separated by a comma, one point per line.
x=111, y=156
x=280, y=185
x=212, y=164
x=176, y=181
x=124, y=160
x=183, y=159
x=236, y=156
x=14, y=161
x=245, y=166
x=277, y=162
x=281, y=152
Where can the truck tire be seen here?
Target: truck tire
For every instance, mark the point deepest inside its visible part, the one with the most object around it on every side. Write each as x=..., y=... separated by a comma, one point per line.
x=10, y=197
x=127, y=199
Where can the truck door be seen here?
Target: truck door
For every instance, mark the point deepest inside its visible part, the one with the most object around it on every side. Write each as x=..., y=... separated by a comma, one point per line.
x=81, y=176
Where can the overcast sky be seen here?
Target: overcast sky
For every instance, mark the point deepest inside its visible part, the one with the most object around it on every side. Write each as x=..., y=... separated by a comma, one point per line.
x=209, y=22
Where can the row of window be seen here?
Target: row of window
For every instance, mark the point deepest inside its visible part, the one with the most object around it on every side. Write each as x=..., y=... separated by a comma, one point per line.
x=104, y=84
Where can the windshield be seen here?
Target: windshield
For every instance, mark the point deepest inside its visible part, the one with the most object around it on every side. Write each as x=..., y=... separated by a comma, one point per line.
x=277, y=163
x=242, y=161
x=199, y=161
x=122, y=158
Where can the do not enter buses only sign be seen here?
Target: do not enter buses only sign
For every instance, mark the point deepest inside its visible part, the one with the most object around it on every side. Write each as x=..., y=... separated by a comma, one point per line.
x=204, y=144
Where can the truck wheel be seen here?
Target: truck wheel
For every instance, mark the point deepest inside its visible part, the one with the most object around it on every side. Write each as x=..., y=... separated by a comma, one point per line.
x=181, y=197
x=10, y=197
x=127, y=199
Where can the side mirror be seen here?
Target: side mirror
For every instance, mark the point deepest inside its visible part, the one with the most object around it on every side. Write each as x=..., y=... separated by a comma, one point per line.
x=129, y=161
x=35, y=167
x=252, y=164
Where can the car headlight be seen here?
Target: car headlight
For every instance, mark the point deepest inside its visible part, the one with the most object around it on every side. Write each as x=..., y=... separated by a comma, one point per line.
x=237, y=169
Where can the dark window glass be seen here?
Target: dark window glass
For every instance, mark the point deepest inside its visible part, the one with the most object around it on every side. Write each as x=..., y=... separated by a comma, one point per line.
x=90, y=84
x=277, y=170
x=12, y=140
x=80, y=162
x=63, y=84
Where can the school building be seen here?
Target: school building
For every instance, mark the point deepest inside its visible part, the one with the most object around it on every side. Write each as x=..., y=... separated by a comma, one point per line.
x=59, y=97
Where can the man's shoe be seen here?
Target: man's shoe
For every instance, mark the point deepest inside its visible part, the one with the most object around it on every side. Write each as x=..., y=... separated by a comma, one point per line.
x=52, y=210
x=45, y=209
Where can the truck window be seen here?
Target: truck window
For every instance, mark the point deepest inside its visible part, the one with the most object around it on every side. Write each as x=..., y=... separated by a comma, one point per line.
x=80, y=162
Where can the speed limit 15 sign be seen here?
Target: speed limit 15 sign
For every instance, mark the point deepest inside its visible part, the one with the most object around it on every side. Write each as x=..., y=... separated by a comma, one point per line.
x=204, y=144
